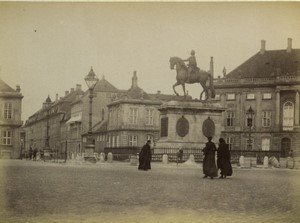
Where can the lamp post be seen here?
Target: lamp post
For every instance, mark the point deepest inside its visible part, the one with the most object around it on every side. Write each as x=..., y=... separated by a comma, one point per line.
x=91, y=81
x=250, y=113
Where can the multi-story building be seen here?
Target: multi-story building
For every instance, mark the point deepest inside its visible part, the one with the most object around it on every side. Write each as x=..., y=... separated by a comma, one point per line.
x=269, y=82
x=47, y=126
x=134, y=117
x=10, y=121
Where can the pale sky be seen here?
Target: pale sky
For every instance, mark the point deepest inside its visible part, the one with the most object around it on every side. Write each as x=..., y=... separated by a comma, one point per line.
x=48, y=48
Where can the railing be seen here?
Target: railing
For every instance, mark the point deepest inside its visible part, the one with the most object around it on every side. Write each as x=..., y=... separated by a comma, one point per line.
x=259, y=154
x=124, y=153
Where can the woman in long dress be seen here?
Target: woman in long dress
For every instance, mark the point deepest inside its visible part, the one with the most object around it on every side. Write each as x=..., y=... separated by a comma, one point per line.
x=209, y=162
x=223, y=159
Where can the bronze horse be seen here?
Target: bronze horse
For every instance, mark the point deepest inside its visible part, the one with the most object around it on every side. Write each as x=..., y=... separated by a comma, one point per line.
x=200, y=76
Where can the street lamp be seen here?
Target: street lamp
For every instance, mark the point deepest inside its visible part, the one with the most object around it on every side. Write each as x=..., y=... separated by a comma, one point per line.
x=250, y=113
x=91, y=80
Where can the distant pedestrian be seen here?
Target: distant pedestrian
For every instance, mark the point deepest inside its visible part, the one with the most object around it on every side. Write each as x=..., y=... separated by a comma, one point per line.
x=30, y=153
x=179, y=155
x=145, y=157
x=42, y=154
x=223, y=159
x=209, y=161
x=34, y=153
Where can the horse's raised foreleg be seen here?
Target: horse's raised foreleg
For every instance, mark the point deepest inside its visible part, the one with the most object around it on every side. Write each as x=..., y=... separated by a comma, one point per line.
x=175, y=85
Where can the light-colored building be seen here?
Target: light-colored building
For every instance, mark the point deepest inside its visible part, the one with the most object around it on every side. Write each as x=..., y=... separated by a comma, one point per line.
x=48, y=124
x=10, y=121
x=269, y=82
x=133, y=118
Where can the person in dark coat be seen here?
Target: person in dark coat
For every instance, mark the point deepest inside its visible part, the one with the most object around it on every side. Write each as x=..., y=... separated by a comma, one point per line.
x=145, y=157
x=30, y=153
x=223, y=159
x=209, y=161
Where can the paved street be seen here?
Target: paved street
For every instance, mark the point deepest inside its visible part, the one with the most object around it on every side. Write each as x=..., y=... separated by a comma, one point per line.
x=52, y=192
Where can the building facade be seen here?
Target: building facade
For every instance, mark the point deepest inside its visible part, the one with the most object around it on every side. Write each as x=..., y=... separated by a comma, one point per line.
x=47, y=126
x=269, y=83
x=10, y=121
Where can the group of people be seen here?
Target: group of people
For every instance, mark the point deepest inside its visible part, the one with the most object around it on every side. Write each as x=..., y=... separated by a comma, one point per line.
x=210, y=169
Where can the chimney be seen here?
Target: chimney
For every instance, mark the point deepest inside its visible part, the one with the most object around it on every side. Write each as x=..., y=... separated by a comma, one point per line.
x=18, y=89
x=134, y=80
x=66, y=92
x=289, y=46
x=78, y=87
x=262, y=46
x=56, y=98
x=212, y=66
x=72, y=89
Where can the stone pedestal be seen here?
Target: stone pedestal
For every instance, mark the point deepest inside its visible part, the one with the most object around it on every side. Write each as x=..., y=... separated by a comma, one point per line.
x=165, y=159
x=109, y=157
x=187, y=124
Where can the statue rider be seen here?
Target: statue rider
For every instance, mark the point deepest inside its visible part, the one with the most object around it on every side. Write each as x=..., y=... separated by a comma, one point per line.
x=192, y=65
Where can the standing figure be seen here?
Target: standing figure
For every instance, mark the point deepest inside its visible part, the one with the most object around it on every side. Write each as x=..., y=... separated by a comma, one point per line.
x=145, y=157
x=30, y=153
x=179, y=155
x=192, y=65
x=209, y=161
x=223, y=159
x=34, y=153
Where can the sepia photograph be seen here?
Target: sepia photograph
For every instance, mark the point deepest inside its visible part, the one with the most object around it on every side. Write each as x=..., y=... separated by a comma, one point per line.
x=149, y=111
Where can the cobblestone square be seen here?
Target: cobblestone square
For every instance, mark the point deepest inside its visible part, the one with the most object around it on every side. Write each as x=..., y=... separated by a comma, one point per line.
x=117, y=192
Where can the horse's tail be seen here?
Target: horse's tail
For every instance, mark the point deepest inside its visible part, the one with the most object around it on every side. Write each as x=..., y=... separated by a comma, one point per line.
x=211, y=86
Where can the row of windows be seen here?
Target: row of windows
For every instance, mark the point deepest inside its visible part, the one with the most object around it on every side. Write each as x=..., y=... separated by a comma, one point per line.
x=287, y=117
x=265, y=143
x=133, y=116
x=266, y=118
x=6, y=137
x=249, y=96
x=113, y=141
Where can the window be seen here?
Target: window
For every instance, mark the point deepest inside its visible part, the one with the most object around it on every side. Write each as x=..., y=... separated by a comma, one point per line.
x=6, y=137
x=102, y=114
x=8, y=110
x=108, y=141
x=249, y=144
x=117, y=141
x=217, y=97
x=288, y=116
x=133, y=116
x=266, y=120
x=250, y=96
x=149, y=117
x=230, y=96
x=265, y=144
x=230, y=116
x=267, y=96
x=132, y=140
x=229, y=141
x=150, y=137
x=113, y=141
x=164, y=127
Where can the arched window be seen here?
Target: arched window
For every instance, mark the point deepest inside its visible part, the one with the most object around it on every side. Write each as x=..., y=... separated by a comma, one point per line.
x=288, y=116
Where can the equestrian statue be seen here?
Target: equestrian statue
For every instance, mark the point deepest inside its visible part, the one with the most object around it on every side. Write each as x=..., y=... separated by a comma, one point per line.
x=191, y=74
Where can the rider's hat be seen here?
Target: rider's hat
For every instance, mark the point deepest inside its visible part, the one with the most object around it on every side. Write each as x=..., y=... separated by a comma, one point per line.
x=193, y=52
